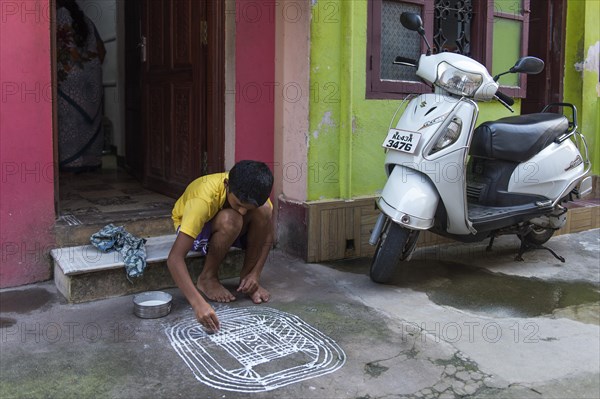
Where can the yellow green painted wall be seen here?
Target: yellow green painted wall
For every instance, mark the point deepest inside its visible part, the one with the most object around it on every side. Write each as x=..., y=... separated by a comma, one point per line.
x=346, y=130
x=345, y=158
x=581, y=75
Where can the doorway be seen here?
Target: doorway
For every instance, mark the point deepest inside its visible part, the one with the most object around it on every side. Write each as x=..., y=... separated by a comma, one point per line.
x=546, y=20
x=170, y=70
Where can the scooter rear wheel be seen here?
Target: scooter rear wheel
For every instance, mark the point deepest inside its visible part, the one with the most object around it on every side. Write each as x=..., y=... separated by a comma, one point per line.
x=396, y=244
x=538, y=236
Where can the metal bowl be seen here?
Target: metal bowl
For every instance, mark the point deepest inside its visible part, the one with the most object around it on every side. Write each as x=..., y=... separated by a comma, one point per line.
x=152, y=304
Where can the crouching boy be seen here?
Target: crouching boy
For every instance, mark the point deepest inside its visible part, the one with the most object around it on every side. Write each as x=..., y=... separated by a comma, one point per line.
x=217, y=212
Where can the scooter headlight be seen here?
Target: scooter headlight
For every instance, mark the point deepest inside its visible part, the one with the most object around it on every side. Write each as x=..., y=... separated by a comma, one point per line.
x=448, y=136
x=457, y=81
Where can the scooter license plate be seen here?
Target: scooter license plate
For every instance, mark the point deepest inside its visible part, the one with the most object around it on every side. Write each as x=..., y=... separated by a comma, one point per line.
x=402, y=140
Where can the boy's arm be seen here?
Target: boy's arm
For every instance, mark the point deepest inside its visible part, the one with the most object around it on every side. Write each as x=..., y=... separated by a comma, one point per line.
x=249, y=282
x=176, y=264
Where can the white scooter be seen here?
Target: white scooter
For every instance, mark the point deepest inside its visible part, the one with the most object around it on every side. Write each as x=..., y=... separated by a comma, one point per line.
x=507, y=176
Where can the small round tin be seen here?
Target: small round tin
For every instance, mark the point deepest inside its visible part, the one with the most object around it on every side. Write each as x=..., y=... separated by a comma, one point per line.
x=152, y=304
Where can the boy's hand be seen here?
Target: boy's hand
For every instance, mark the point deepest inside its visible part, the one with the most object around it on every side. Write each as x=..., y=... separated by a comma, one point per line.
x=206, y=316
x=248, y=284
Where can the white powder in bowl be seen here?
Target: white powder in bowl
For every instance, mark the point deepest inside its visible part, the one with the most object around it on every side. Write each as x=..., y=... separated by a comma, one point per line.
x=154, y=302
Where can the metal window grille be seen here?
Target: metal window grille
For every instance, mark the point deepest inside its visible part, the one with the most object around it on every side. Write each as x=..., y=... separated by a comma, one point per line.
x=452, y=26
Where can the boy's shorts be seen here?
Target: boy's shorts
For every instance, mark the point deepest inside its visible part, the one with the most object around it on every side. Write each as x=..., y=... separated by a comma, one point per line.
x=201, y=242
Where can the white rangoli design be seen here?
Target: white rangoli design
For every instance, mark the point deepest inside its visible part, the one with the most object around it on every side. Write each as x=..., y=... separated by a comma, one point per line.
x=257, y=349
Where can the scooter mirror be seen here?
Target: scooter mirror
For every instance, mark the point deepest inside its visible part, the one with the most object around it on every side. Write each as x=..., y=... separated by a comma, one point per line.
x=411, y=21
x=529, y=65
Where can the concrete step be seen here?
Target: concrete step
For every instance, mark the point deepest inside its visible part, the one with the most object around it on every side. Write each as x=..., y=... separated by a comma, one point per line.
x=73, y=230
x=83, y=273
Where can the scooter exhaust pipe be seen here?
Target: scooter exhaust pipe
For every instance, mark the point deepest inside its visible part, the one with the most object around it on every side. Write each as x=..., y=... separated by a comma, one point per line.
x=377, y=229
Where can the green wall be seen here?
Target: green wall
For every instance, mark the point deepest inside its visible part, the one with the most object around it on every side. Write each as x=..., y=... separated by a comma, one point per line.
x=345, y=158
x=581, y=85
x=346, y=130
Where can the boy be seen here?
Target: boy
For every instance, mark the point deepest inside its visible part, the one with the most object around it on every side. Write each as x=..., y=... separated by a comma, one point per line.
x=214, y=213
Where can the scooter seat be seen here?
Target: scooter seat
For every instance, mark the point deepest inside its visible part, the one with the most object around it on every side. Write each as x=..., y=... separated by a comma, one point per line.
x=517, y=138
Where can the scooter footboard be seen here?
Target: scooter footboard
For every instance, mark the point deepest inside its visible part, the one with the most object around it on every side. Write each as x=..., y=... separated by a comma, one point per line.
x=409, y=198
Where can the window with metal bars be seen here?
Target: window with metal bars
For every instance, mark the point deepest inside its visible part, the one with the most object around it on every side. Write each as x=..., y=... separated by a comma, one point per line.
x=452, y=26
x=495, y=33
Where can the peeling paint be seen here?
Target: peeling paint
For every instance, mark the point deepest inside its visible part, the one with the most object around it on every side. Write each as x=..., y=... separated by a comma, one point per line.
x=592, y=63
x=326, y=121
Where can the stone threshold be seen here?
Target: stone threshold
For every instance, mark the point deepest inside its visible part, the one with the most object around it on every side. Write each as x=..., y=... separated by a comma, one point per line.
x=83, y=273
x=87, y=258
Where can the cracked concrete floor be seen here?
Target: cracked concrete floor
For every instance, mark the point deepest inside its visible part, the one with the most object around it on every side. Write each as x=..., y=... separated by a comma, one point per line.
x=456, y=322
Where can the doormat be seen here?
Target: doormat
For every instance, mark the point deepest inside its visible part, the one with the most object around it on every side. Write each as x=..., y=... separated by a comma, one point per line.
x=257, y=349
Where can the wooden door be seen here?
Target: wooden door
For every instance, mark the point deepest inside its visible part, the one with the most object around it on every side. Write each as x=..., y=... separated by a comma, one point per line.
x=546, y=41
x=174, y=93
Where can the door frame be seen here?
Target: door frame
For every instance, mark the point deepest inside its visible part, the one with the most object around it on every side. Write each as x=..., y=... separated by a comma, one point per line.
x=549, y=83
x=215, y=145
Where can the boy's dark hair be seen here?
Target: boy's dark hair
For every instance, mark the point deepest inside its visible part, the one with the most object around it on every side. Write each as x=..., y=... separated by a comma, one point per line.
x=251, y=182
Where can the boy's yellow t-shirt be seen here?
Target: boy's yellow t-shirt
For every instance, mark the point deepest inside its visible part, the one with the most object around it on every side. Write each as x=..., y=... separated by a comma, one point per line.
x=201, y=201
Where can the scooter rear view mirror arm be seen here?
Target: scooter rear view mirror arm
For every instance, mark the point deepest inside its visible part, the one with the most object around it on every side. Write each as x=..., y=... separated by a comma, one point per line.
x=422, y=33
x=500, y=74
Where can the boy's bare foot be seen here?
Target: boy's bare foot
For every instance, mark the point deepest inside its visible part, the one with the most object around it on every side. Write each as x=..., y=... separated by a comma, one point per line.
x=214, y=290
x=260, y=295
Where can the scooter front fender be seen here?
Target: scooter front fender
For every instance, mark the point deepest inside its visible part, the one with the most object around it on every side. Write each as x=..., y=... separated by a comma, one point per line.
x=409, y=198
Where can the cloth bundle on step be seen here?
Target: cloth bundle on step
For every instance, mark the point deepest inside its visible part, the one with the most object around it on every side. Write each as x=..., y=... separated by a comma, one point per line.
x=132, y=249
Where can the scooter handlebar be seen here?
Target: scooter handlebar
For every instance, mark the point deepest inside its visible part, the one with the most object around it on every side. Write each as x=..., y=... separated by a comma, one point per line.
x=405, y=61
x=504, y=98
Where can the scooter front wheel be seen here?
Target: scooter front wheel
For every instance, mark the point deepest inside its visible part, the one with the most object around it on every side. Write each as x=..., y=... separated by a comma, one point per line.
x=396, y=244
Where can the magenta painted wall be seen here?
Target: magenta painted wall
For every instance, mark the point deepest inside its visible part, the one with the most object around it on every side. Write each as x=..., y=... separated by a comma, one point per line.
x=26, y=152
x=255, y=80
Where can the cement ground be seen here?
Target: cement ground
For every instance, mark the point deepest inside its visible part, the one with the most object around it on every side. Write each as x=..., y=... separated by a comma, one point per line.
x=456, y=322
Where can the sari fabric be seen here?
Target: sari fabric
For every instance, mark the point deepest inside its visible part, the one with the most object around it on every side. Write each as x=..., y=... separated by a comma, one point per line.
x=80, y=96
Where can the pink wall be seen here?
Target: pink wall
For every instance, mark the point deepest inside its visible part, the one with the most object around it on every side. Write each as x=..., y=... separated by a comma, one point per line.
x=26, y=152
x=255, y=80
